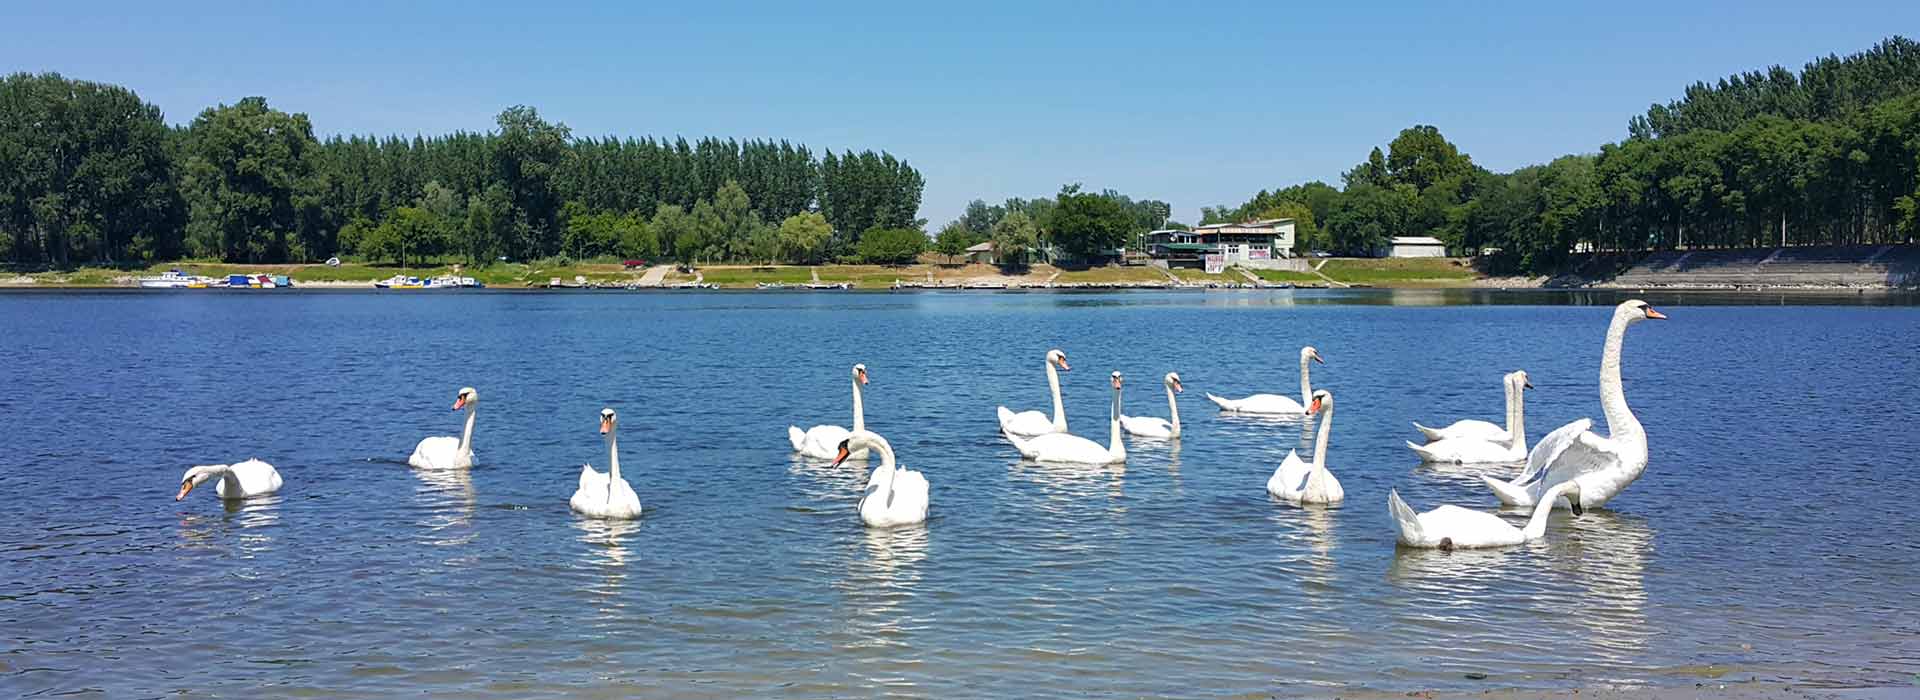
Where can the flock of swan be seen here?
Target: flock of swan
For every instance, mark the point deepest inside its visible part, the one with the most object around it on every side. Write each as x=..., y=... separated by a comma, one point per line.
x=1571, y=465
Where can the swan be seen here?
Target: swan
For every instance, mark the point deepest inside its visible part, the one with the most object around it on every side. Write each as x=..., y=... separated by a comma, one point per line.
x=895, y=495
x=606, y=495
x=821, y=441
x=1031, y=423
x=1603, y=466
x=1452, y=527
x=1067, y=447
x=244, y=480
x=1479, y=429
x=1300, y=482
x=1468, y=450
x=1148, y=426
x=448, y=452
x=1274, y=403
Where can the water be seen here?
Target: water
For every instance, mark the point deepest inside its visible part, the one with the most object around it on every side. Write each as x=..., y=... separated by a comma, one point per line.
x=1771, y=538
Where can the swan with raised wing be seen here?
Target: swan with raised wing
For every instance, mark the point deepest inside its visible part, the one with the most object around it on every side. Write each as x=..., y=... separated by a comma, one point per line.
x=1468, y=450
x=606, y=495
x=1452, y=527
x=1298, y=481
x=1030, y=423
x=1275, y=404
x=237, y=481
x=448, y=452
x=823, y=441
x=1070, y=448
x=895, y=495
x=1154, y=427
x=1484, y=431
x=1603, y=466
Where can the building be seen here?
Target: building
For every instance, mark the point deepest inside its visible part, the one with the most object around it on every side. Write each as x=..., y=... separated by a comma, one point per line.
x=1249, y=241
x=1417, y=247
x=982, y=253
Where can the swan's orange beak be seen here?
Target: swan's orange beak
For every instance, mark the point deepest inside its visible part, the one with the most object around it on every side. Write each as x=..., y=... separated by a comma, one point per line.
x=1315, y=408
x=863, y=376
x=1063, y=364
x=1655, y=315
x=605, y=425
x=185, y=487
x=1316, y=358
x=459, y=402
x=842, y=457
x=1178, y=388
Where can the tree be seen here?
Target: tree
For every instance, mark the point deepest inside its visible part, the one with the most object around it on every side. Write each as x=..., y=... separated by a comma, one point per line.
x=803, y=238
x=1368, y=216
x=1013, y=237
x=243, y=165
x=953, y=240
x=528, y=159
x=410, y=235
x=978, y=220
x=892, y=246
x=1087, y=225
x=679, y=237
x=1421, y=157
x=869, y=190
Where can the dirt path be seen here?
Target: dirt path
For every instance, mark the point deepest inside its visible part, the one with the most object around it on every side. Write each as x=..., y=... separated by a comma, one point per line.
x=655, y=275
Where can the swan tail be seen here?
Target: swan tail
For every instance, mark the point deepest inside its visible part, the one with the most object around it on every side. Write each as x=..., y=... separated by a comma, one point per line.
x=1431, y=433
x=1508, y=494
x=1404, y=518
x=796, y=436
x=1425, y=454
x=1225, y=404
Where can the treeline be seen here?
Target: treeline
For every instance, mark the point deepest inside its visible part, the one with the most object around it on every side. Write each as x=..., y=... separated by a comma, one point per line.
x=1070, y=226
x=91, y=173
x=1827, y=156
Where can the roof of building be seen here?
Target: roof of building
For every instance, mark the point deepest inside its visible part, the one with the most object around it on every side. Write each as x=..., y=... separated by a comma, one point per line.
x=1263, y=223
x=1195, y=247
x=1417, y=240
x=983, y=247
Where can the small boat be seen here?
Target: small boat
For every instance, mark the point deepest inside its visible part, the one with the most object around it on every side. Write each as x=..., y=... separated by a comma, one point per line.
x=249, y=281
x=769, y=285
x=400, y=282
x=986, y=285
x=174, y=279
x=828, y=285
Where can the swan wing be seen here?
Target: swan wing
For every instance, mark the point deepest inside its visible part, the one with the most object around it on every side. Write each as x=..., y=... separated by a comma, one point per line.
x=1405, y=521
x=1148, y=426
x=1551, y=448
x=1064, y=447
x=1290, y=477
x=435, y=452
x=1026, y=422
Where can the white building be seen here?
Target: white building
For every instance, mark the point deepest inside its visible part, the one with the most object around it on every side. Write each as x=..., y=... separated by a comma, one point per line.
x=1250, y=241
x=1417, y=247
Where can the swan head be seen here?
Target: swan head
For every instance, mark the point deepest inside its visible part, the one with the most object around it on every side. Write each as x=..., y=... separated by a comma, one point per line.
x=1322, y=400
x=1173, y=382
x=860, y=373
x=1308, y=353
x=608, y=420
x=1570, y=490
x=1058, y=359
x=1636, y=311
x=1520, y=379
x=860, y=440
x=466, y=397
x=195, y=477
x=1116, y=380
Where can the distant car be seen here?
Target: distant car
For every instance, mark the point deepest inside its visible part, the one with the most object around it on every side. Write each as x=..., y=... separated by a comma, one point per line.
x=333, y=262
x=1322, y=254
x=633, y=264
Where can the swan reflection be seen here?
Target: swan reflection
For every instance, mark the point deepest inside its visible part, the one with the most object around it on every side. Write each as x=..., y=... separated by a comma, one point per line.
x=448, y=498
x=1070, y=484
x=878, y=587
x=605, y=552
x=241, y=522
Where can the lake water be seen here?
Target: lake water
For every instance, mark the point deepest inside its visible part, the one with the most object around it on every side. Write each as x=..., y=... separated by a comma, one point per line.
x=1772, y=537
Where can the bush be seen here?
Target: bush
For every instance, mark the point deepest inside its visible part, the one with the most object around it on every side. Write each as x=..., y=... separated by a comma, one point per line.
x=892, y=246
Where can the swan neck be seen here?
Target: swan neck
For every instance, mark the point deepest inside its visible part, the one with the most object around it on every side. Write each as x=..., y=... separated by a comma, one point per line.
x=1059, y=409
x=859, y=410
x=886, y=464
x=1114, y=446
x=613, y=457
x=1613, y=399
x=466, y=436
x=1173, y=407
x=1517, y=415
x=1320, y=440
x=1306, y=385
x=1537, y=523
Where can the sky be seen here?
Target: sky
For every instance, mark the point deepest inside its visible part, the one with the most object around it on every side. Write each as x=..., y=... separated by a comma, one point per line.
x=1192, y=103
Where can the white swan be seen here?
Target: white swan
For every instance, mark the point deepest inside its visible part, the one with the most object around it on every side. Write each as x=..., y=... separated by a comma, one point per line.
x=244, y=480
x=1030, y=423
x=448, y=452
x=1452, y=527
x=1300, y=482
x=1067, y=447
x=823, y=441
x=606, y=495
x=1275, y=403
x=895, y=495
x=1603, y=466
x=1482, y=430
x=1149, y=426
x=1469, y=450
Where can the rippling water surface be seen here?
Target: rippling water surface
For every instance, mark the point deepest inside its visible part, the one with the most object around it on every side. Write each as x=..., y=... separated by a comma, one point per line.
x=1771, y=536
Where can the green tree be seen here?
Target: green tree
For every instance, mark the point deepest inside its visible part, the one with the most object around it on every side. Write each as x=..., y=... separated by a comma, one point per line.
x=243, y=165
x=803, y=238
x=679, y=236
x=953, y=240
x=1085, y=225
x=892, y=246
x=529, y=156
x=1014, y=238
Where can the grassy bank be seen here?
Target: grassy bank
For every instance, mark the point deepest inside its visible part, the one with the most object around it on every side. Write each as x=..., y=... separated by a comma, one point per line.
x=1395, y=271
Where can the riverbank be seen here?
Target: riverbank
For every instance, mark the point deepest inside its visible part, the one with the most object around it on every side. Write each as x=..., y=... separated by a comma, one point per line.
x=1698, y=691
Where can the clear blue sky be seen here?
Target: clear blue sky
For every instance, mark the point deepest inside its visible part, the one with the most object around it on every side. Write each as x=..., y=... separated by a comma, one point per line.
x=1192, y=103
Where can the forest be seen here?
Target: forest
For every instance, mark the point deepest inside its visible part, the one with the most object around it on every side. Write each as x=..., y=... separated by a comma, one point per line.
x=92, y=174
x=1825, y=156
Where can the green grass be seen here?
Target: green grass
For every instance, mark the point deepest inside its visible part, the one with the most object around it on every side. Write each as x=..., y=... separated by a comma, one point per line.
x=1100, y=275
x=749, y=276
x=1370, y=270
x=1288, y=276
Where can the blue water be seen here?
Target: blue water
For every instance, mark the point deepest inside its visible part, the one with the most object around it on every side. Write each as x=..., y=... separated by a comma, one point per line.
x=1772, y=537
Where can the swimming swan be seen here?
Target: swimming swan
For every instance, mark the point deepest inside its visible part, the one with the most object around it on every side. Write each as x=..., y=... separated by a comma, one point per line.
x=606, y=495
x=448, y=452
x=1067, y=447
x=1452, y=527
x=821, y=441
x=895, y=495
x=1470, y=450
x=1149, y=426
x=1274, y=403
x=1299, y=482
x=1603, y=466
x=1482, y=430
x=1030, y=423
x=244, y=480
